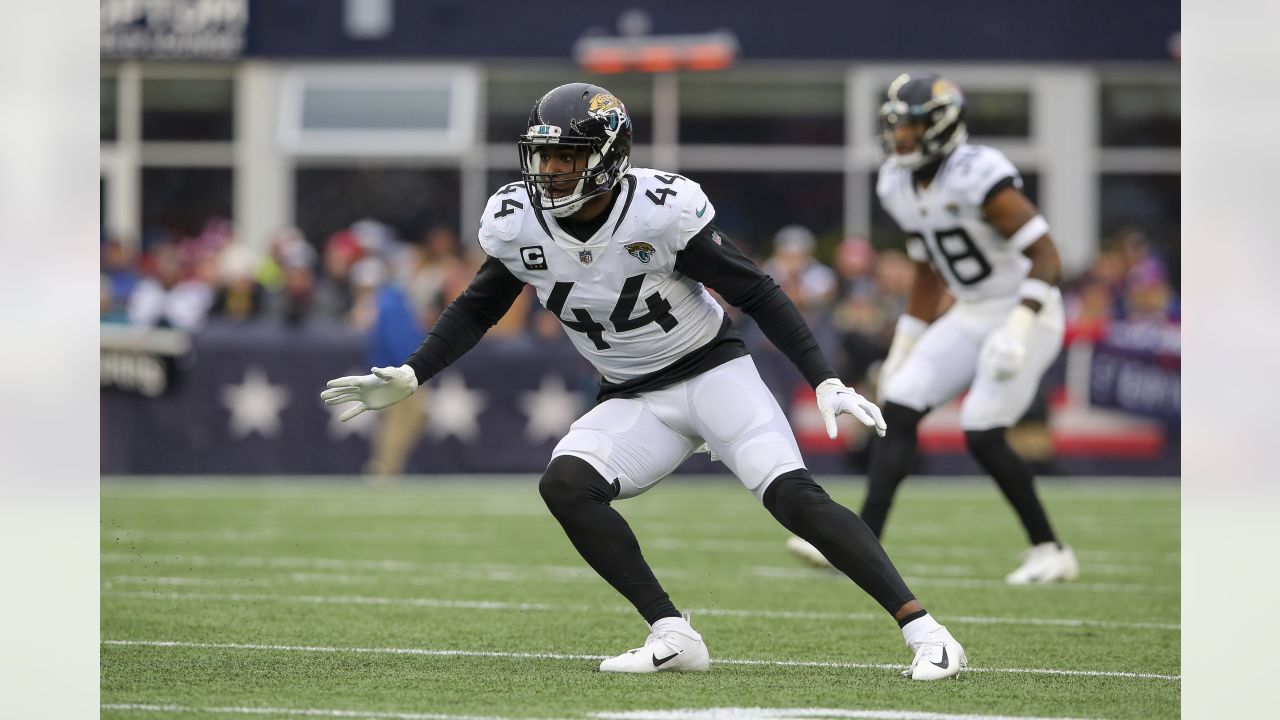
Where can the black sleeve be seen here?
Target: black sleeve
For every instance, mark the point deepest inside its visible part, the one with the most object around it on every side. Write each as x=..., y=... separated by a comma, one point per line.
x=713, y=260
x=462, y=324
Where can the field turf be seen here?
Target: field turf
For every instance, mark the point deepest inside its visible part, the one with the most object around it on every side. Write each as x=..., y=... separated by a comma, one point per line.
x=442, y=599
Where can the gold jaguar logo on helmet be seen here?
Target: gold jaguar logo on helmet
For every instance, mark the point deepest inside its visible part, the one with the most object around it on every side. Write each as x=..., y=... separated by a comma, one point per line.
x=609, y=110
x=642, y=251
x=942, y=87
x=602, y=102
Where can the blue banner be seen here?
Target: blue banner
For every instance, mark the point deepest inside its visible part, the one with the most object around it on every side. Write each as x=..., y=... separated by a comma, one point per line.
x=1138, y=368
x=245, y=399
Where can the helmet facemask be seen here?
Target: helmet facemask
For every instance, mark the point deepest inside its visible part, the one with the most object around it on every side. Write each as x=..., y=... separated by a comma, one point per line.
x=591, y=181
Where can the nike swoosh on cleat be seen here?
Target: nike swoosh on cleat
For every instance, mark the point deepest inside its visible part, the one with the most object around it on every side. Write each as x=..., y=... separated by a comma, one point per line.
x=704, y=209
x=943, y=665
x=659, y=662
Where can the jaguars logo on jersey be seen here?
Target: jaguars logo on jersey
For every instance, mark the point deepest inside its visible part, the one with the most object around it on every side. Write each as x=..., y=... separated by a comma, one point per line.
x=641, y=251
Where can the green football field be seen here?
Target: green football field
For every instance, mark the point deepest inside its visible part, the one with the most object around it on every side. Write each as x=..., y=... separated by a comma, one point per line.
x=461, y=598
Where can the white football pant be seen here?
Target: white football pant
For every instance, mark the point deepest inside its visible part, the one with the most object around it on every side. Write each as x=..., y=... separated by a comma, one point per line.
x=944, y=362
x=638, y=441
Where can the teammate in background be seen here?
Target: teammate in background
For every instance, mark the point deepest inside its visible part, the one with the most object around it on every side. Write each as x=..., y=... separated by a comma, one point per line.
x=621, y=255
x=971, y=229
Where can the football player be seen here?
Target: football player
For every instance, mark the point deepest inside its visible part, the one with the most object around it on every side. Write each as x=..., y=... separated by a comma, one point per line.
x=970, y=229
x=622, y=256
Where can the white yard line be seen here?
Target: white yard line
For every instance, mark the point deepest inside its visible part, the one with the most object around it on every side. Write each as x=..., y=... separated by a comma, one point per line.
x=561, y=656
x=554, y=607
x=294, y=712
x=726, y=713
x=314, y=563
x=498, y=572
x=791, y=573
x=757, y=713
x=978, y=551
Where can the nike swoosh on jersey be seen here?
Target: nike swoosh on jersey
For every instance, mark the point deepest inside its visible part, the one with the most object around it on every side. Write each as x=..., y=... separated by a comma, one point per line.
x=704, y=209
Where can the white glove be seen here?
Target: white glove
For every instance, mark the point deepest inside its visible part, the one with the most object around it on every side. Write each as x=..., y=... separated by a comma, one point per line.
x=836, y=399
x=386, y=386
x=1005, y=349
x=909, y=329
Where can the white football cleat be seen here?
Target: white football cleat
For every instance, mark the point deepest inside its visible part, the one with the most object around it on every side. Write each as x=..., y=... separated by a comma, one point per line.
x=938, y=656
x=1045, y=563
x=665, y=650
x=807, y=553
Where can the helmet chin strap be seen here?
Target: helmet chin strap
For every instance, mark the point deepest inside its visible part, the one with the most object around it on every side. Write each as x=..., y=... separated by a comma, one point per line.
x=567, y=210
x=573, y=206
x=581, y=189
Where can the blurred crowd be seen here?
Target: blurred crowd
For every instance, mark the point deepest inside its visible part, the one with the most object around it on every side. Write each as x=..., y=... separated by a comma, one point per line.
x=369, y=279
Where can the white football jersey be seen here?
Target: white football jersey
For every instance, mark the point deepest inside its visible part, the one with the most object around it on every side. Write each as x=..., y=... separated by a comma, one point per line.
x=945, y=225
x=622, y=303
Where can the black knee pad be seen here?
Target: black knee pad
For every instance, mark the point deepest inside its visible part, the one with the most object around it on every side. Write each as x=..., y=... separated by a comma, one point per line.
x=894, y=455
x=984, y=443
x=791, y=493
x=900, y=418
x=569, y=480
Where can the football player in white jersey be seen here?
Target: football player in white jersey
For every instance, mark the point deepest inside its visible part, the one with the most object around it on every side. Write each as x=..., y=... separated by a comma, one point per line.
x=971, y=230
x=622, y=256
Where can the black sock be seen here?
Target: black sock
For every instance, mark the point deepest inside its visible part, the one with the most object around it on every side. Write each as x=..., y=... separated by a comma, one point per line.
x=579, y=498
x=804, y=508
x=891, y=458
x=991, y=449
x=902, y=621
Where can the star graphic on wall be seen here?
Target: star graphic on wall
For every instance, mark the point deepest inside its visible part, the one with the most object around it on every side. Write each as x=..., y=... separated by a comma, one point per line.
x=551, y=408
x=454, y=409
x=255, y=404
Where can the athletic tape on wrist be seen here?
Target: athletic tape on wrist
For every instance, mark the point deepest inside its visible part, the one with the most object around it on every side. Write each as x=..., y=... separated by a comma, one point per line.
x=1035, y=289
x=1031, y=231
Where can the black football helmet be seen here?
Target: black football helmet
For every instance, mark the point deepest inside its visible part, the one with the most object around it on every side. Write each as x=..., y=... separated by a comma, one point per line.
x=930, y=99
x=584, y=115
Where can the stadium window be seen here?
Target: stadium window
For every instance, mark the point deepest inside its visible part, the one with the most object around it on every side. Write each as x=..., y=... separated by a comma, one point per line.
x=354, y=108
x=411, y=200
x=178, y=201
x=108, y=109
x=998, y=113
x=1141, y=114
x=752, y=206
x=188, y=109
x=397, y=110
x=498, y=177
x=1149, y=203
x=511, y=93
x=761, y=108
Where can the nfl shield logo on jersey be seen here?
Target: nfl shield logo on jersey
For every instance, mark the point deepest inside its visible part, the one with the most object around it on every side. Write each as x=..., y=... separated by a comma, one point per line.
x=584, y=257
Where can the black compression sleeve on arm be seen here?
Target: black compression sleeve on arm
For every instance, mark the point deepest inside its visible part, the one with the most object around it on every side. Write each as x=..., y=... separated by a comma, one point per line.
x=466, y=320
x=721, y=266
